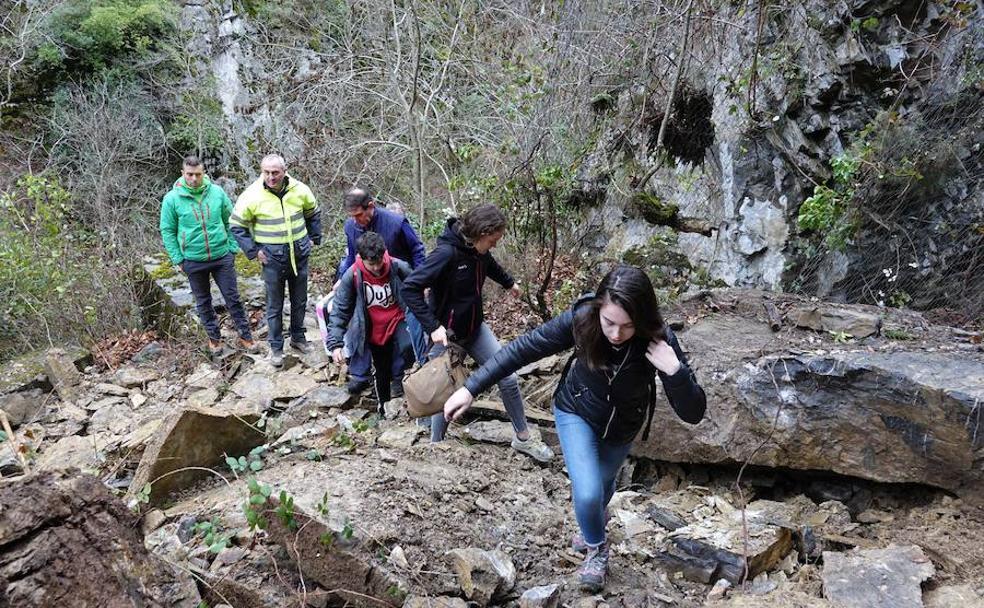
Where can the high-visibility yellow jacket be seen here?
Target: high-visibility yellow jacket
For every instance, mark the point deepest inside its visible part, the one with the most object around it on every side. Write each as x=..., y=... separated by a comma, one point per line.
x=264, y=217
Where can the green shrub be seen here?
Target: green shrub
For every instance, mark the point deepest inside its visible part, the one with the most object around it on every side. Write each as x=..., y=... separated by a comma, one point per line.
x=83, y=37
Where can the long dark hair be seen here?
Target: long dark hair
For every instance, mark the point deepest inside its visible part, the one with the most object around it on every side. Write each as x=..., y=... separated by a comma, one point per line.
x=631, y=289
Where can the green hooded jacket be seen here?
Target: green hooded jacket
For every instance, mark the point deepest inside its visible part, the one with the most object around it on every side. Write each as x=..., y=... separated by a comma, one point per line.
x=195, y=223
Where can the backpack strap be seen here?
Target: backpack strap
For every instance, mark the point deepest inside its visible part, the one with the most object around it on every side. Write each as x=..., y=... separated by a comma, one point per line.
x=652, y=408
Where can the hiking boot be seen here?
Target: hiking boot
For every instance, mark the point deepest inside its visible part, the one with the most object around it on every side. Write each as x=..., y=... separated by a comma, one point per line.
x=215, y=347
x=594, y=570
x=301, y=347
x=357, y=385
x=249, y=346
x=537, y=450
x=276, y=357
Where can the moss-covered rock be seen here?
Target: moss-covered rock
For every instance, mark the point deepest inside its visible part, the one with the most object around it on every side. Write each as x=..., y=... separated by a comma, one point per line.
x=655, y=210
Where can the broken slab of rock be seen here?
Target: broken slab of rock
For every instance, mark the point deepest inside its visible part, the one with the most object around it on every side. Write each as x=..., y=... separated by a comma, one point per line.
x=321, y=427
x=871, y=578
x=400, y=437
x=75, y=451
x=900, y=417
x=546, y=596
x=483, y=575
x=714, y=548
x=62, y=373
x=136, y=376
x=67, y=541
x=22, y=407
x=199, y=438
x=435, y=602
x=261, y=388
x=836, y=319
x=345, y=565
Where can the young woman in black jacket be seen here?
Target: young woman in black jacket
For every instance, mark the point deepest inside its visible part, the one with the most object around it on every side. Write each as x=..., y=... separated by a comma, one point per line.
x=455, y=273
x=605, y=395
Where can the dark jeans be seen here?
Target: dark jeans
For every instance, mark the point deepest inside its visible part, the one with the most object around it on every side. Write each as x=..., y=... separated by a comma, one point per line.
x=223, y=271
x=358, y=365
x=277, y=273
x=390, y=360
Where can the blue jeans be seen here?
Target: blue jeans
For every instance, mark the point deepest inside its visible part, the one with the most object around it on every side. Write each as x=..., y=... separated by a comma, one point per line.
x=482, y=346
x=223, y=271
x=277, y=273
x=592, y=466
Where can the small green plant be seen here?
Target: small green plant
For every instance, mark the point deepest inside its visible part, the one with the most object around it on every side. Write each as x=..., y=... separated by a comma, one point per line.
x=252, y=462
x=285, y=510
x=841, y=337
x=347, y=530
x=322, y=506
x=396, y=593
x=869, y=25
x=212, y=535
x=899, y=299
x=898, y=334
x=344, y=440
x=327, y=540
x=141, y=498
x=253, y=507
x=314, y=455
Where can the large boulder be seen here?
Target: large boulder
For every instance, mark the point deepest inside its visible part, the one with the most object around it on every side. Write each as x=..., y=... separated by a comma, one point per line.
x=67, y=541
x=886, y=415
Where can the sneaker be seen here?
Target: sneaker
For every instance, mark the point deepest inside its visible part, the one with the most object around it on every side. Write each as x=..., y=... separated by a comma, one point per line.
x=249, y=346
x=357, y=385
x=276, y=357
x=301, y=347
x=215, y=347
x=594, y=570
x=537, y=450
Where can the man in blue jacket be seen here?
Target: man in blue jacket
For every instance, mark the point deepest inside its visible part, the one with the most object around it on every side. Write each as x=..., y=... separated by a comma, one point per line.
x=401, y=242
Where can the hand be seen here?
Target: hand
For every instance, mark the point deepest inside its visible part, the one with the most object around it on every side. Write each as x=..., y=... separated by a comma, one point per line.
x=334, y=287
x=262, y=257
x=338, y=356
x=662, y=356
x=181, y=267
x=516, y=291
x=457, y=404
x=440, y=336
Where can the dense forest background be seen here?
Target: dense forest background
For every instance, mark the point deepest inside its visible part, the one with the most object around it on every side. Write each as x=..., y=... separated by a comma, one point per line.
x=827, y=148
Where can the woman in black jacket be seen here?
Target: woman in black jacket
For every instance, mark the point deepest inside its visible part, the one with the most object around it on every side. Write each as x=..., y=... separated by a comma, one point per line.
x=605, y=395
x=455, y=273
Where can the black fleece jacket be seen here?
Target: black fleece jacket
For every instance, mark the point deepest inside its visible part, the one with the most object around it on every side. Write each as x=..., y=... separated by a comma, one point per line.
x=614, y=400
x=455, y=273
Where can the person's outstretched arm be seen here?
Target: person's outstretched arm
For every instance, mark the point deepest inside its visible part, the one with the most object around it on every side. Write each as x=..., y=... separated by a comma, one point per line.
x=552, y=337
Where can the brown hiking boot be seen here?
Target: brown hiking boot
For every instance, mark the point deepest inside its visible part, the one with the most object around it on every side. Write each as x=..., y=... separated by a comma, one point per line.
x=249, y=346
x=215, y=347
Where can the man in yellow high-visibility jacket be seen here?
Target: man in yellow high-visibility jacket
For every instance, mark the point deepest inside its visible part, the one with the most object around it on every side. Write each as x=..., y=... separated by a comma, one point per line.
x=277, y=220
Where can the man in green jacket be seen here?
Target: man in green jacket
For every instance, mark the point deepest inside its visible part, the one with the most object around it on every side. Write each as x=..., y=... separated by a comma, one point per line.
x=277, y=221
x=195, y=230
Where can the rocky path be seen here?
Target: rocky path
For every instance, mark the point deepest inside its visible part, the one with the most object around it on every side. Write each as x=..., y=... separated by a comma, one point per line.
x=254, y=487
